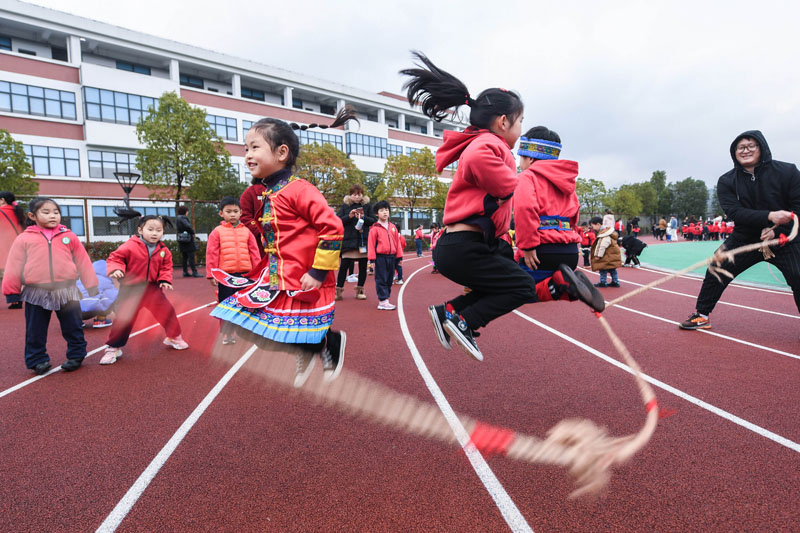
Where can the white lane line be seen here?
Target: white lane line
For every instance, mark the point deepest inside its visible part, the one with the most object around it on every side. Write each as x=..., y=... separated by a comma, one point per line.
x=103, y=347
x=694, y=296
x=504, y=503
x=118, y=514
x=707, y=332
x=733, y=284
x=783, y=441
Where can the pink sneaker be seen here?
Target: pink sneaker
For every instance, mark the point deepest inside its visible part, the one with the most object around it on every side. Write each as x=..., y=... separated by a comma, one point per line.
x=178, y=343
x=111, y=356
x=385, y=305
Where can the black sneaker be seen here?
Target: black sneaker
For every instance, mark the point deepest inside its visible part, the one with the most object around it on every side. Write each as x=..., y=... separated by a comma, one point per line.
x=333, y=354
x=15, y=305
x=601, y=284
x=696, y=321
x=71, y=364
x=580, y=288
x=41, y=368
x=614, y=284
x=438, y=317
x=461, y=332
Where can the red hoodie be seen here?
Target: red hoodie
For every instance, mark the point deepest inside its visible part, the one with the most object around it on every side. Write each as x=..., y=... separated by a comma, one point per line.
x=383, y=241
x=138, y=266
x=545, y=204
x=34, y=260
x=486, y=173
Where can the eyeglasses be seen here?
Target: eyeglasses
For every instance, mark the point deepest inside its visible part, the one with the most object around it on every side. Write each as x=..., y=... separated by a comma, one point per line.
x=747, y=148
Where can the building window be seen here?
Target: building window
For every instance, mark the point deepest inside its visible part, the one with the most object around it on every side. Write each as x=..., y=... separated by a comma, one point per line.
x=72, y=217
x=104, y=164
x=297, y=103
x=367, y=145
x=5, y=43
x=410, y=150
x=253, y=94
x=26, y=52
x=32, y=100
x=106, y=223
x=452, y=166
x=191, y=81
x=52, y=161
x=133, y=67
x=224, y=126
x=59, y=53
x=394, y=149
x=111, y=106
x=246, y=125
x=327, y=109
x=315, y=137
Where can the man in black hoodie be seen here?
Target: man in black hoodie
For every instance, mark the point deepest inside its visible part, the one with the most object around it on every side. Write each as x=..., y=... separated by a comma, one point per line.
x=757, y=194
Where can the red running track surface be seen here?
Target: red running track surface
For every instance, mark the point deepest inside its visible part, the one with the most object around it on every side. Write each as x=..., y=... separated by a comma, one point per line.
x=263, y=456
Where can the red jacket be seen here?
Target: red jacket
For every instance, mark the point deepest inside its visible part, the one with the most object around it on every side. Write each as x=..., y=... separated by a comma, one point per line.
x=9, y=229
x=587, y=237
x=34, y=260
x=138, y=266
x=383, y=241
x=486, y=174
x=233, y=249
x=546, y=206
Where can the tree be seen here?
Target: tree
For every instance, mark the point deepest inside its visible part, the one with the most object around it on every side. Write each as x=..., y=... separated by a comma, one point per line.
x=16, y=173
x=716, y=209
x=663, y=195
x=413, y=181
x=690, y=197
x=647, y=196
x=214, y=190
x=329, y=169
x=182, y=153
x=591, y=194
x=625, y=201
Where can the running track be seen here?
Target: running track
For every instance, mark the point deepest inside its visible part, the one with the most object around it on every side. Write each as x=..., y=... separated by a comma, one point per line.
x=94, y=447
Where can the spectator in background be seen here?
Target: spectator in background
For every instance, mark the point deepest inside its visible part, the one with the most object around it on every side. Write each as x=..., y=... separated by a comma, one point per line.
x=662, y=228
x=357, y=217
x=12, y=222
x=186, y=244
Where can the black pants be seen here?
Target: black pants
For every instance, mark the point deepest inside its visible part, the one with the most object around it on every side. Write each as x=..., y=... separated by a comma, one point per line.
x=787, y=260
x=37, y=321
x=347, y=265
x=632, y=257
x=384, y=275
x=585, y=253
x=187, y=259
x=548, y=264
x=498, y=284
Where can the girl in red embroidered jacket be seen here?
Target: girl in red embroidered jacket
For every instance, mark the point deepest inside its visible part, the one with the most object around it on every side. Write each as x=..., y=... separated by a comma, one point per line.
x=42, y=269
x=477, y=210
x=143, y=266
x=301, y=238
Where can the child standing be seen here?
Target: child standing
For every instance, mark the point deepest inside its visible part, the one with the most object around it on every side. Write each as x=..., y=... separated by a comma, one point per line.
x=606, y=257
x=143, y=266
x=302, y=238
x=587, y=239
x=47, y=260
x=231, y=247
x=12, y=220
x=418, y=240
x=384, y=249
x=477, y=211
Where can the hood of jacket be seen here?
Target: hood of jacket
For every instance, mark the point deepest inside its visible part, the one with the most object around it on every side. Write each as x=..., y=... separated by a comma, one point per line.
x=605, y=232
x=766, y=153
x=562, y=173
x=348, y=201
x=454, y=143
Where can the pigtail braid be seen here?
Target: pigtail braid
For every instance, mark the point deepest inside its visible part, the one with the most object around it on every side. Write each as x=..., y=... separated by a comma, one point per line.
x=435, y=90
x=345, y=114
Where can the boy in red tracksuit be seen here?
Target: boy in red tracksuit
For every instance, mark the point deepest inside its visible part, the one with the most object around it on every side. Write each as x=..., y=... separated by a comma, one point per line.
x=143, y=264
x=587, y=239
x=546, y=206
x=232, y=248
x=383, y=248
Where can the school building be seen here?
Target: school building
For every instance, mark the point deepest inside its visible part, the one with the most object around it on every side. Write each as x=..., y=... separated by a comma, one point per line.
x=72, y=90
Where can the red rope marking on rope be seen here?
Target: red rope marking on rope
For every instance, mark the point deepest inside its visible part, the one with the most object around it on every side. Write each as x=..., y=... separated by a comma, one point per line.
x=782, y=239
x=652, y=404
x=490, y=439
x=598, y=314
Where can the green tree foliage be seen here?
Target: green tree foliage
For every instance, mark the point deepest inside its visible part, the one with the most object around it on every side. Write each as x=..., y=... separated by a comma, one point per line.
x=182, y=154
x=716, y=209
x=625, y=201
x=647, y=196
x=591, y=195
x=329, y=169
x=214, y=190
x=663, y=195
x=16, y=174
x=690, y=197
x=413, y=182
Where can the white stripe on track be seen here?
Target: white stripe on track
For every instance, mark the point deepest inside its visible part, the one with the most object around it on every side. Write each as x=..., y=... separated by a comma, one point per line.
x=121, y=510
x=505, y=504
x=694, y=296
x=58, y=368
x=783, y=441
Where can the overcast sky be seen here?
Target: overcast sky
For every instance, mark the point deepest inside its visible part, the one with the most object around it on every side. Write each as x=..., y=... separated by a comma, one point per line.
x=631, y=87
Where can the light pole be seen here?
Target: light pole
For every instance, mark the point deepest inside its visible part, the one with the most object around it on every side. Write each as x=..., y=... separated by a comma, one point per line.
x=127, y=180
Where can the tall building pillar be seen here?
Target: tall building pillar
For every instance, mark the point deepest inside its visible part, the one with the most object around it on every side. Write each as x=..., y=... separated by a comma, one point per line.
x=381, y=116
x=401, y=121
x=174, y=70
x=430, y=128
x=236, y=86
x=287, y=97
x=74, y=50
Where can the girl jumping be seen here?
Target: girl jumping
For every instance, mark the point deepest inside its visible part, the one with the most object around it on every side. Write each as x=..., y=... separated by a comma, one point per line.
x=477, y=212
x=291, y=307
x=144, y=267
x=43, y=266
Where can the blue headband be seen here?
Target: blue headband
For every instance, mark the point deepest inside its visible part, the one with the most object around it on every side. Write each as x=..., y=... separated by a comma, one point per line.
x=538, y=148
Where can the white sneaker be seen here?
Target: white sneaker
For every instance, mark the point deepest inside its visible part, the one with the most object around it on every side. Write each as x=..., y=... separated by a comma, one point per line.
x=385, y=305
x=305, y=363
x=352, y=278
x=111, y=356
x=177, y=343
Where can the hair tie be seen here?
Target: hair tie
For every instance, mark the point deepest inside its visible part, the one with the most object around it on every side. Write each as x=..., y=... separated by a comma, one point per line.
x=467, y=99
x=538, y=148
x=14, y=203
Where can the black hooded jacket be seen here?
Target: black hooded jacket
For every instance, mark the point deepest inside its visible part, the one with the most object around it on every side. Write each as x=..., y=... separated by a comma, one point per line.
x=353, y=239
x=747, y=198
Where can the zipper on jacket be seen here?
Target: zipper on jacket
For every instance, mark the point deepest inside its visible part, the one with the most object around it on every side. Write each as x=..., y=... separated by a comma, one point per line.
x=49, y=257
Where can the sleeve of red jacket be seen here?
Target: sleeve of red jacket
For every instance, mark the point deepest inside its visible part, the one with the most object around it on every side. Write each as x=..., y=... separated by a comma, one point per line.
x=12, y=277
x=526, y=214
x=84, y=264
x=165, y=270
x=372, y=243
x=250, y=204
x=330, y=231
x=212, y=251
x=488, y=170
x=252, y=248
x=118, y=260
x=401, y=245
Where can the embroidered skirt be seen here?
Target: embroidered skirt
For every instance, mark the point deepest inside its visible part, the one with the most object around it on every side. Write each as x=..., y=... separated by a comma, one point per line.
x=285, y=319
